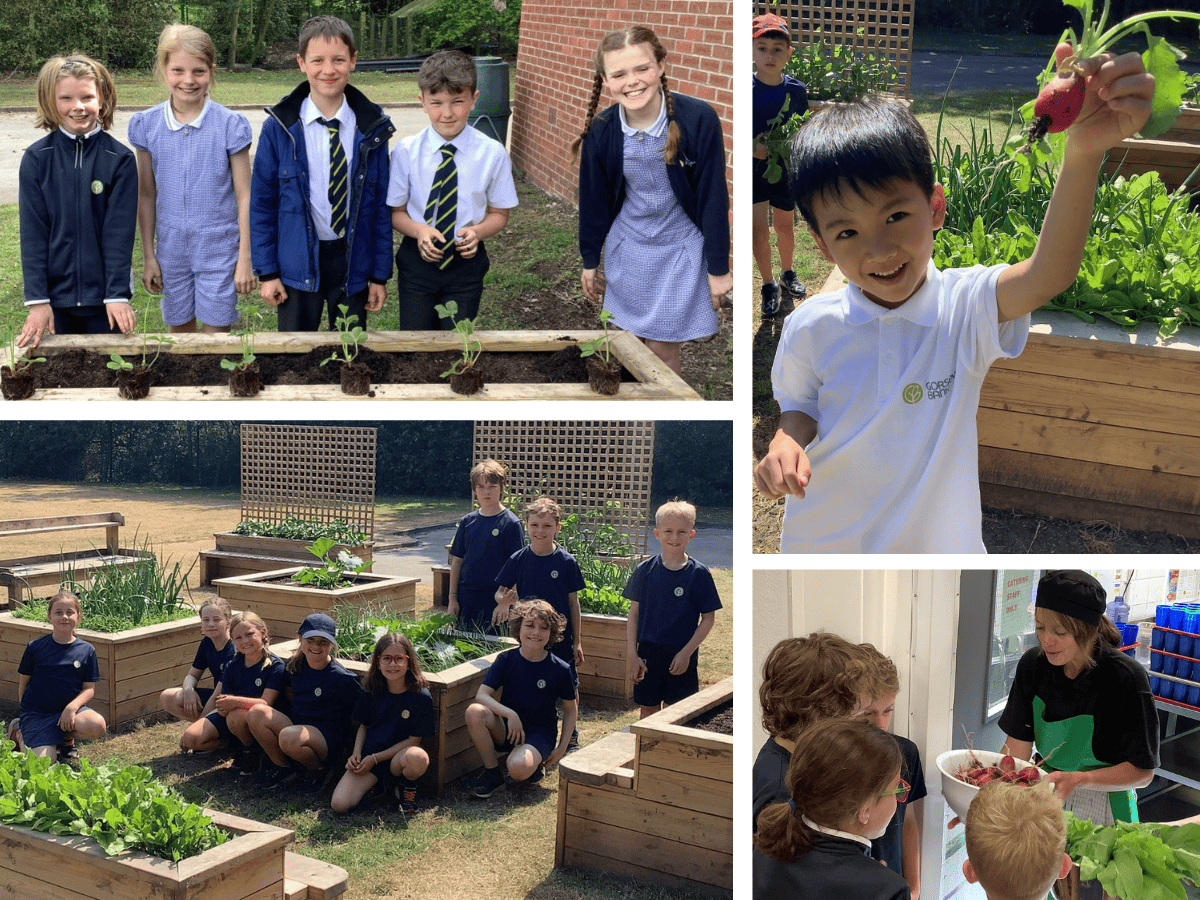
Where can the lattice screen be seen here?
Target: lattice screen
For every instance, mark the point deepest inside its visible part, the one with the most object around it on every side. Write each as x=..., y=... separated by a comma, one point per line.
x=315, y=472
x=581, y=465
x=887, y=27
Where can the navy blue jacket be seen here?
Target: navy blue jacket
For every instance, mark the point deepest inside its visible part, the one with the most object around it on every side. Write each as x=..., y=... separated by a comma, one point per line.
x=78, y=213
x=283, y=238
x=697, y=178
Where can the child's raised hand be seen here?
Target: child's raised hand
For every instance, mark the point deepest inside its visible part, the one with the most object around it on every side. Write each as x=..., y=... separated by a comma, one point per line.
x=593, y=285
x=719, y=287
x=272, y=292
x=38, y=321
x=152, y=275
x=121, y=315
x=1117, y=102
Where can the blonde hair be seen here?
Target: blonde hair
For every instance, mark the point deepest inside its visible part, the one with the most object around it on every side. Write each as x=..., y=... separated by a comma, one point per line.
x=543, y=506
x=74, y=66
x=676, y=507
x=1016, y=835
x=617, y=40
x=1087, y=637
x=807, y=679
x=185, y=38
x=254, y=620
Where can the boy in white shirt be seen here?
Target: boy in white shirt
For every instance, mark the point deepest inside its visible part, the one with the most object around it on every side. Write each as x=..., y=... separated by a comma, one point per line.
x=878, y=384
x=451, y=187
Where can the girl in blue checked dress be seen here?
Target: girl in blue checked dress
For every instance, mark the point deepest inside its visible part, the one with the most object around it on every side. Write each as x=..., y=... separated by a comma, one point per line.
x=653, y=196
x=193, y=160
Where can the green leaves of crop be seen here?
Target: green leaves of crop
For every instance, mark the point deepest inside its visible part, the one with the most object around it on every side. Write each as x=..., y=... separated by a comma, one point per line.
x=1143, y=860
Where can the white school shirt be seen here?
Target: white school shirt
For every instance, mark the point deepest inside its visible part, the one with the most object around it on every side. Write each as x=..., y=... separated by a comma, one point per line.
x=894, y=392
x=484, y=175
x=316, y=148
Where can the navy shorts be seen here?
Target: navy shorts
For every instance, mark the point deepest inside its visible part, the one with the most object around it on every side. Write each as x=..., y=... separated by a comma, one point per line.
x=334, y=740
x=219, y=723
x=659, y=685
x=41, y=729
x=779, y=194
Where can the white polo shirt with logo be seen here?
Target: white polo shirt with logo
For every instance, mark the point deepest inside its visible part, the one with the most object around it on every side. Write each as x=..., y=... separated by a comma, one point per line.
x=894, y=392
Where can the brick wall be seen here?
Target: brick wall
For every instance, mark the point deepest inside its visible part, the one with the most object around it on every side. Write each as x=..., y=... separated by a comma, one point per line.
x=554, y=73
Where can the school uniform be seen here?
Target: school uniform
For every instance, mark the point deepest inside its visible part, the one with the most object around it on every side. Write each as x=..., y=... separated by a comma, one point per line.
x=240, y=681
x=838, y=865
x=553, y=578
x=391, y=718
x=532, y=690
x=195, y=210
x=767, y=101
x=290, y=234
x=209, y=659
x=324, y=699
x=670, y=604
x=57, y=673
x=888, y=848
x=78, y=213
x=484, y=544
x=769, y=777
x=484, y=179
x=895, y=394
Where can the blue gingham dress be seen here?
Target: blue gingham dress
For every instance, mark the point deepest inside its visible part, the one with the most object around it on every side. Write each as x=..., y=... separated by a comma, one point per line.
x=657, y=283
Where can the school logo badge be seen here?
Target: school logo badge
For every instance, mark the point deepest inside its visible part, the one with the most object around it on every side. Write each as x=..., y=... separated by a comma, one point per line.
x=678, y=592
x=405, y=714
x=75, y=664
x=912, y=393
x=554, y=574
x=97, y=187
x=541, y=683
x=258, y=682
x=495, y=532
x=317, y=692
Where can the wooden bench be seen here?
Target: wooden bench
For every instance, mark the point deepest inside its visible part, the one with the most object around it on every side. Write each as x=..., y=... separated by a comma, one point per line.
x=21, y=575
x=305, y=878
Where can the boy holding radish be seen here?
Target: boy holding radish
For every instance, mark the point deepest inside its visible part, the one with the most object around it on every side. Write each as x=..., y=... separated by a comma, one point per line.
x=878, y=384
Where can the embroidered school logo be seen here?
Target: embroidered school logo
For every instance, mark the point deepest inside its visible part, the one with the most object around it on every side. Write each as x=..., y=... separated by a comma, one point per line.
x=317, y=692
x=541, y=683
x=75, y=664
x=678, y=592
x=912, y=393
x=404, y=714
x=554, y=574
x=258, y=682
x=495, y=532
x=97, y=187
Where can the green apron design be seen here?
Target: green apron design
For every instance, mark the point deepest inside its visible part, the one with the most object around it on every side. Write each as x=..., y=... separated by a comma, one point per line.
x=1068, y=744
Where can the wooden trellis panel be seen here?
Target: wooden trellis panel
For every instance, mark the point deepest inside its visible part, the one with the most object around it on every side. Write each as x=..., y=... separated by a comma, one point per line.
x=581, y=465
x=887, y=27
x=319, y=473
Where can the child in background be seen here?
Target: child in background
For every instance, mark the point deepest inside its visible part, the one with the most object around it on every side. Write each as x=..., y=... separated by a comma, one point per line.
x=394, y=712
x=193, y=159
x=773, y=202
x=442, y=256
x=320, y=234
x=485, y=539
x=214, y=653
x=253, y=676
x=78, y=207
x=304, y=745
x=1016, y=837
x=899, y=848
x=844, y=783
x=56, y=678
x=903, y=350
x=672, y=607
x=530, y=680
x=652, y=193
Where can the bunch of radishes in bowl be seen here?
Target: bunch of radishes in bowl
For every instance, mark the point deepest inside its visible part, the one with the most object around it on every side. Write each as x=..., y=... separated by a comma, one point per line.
x=964, y=772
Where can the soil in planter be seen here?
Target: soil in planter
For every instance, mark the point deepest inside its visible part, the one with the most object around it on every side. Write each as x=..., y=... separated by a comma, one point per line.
x=355, y=378
x=245, y=381
x=133, y=384
x=468, y=382
x=17, y=386
x=79, y=368
x=718, y=720
x=604, y=377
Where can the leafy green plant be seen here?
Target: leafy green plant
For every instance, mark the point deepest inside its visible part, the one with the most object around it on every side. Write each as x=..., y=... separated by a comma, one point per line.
x=1191, y=90
x=591, y=348
x=120, y=807
x=251, y=321
x=331, y=573
x=439, y=646
x=465, y=329
x=839, y=72
x=295, y=528
x=1146, y=860
x=118, y=363
x=603, y=600
x=778, y=139
x=19, y=362
x=350, y=336
x=594, y=543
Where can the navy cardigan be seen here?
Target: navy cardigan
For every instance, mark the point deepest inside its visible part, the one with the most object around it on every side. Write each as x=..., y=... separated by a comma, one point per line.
x=697, y=178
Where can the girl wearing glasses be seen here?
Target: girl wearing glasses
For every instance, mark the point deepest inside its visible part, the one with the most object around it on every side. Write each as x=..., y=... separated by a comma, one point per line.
x=845, y=783
x=394, y=712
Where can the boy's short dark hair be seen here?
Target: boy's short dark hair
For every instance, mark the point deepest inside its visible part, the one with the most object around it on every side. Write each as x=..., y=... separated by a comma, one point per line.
x=858, y=145
x=329, y=27
x=449, y=71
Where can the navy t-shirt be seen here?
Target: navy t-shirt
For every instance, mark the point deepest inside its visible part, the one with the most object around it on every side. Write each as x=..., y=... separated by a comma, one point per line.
x=210, y=659
x=768, y=101
x=552, y=578
x=238, y=681
x=532, y=689
x=57, y=673
x=323, y=697
x=670, y=603
x=391, y=718
x=484, y=543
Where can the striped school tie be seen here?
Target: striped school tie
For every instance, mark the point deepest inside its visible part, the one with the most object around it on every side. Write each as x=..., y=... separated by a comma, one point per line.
x=441, y=211
x=338, y=172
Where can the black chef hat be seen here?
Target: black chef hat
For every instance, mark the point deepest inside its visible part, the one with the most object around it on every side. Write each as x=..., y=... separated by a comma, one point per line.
x=1072, y=593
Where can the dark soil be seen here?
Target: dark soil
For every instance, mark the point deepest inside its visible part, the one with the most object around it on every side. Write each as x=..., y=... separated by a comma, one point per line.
x=718, y=720
x=86, y=369
x=1017, y=531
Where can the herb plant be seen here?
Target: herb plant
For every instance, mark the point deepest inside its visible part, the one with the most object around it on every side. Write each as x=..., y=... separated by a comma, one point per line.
x=465, y=329
x=294, y=528
x=439, y=646
x=838, y=72
x=590, y=348
x=350, y=335
x=331, y=574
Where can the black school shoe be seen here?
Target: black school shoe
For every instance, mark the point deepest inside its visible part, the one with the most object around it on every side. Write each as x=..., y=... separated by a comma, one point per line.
x=489, y=782
x=770, y=300
x=794, y=285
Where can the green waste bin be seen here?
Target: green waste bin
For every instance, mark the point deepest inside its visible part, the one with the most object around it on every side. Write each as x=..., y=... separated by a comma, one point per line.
x=492, y=110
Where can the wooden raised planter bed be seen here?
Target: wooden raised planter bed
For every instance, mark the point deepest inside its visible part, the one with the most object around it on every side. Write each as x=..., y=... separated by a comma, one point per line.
x=451, y=753
x=245, y=554
x=1173, y=155
x=249, y=866
x=284, y=606
x=135, y=665
x=654, y=802
x=653, y=379
x=604, y=676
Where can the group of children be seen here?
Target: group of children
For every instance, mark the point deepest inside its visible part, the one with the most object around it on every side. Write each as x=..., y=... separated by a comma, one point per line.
x=835, y=794
x=312, y=218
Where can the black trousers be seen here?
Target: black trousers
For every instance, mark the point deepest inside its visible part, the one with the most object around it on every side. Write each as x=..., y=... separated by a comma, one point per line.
x=422, y=285
x=302, y=310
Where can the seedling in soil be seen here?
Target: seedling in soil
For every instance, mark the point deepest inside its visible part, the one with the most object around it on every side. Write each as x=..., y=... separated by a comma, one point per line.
x=589, y=348
x=251, y=320
x=350, y=334
x=16, y=379
x=465, y=329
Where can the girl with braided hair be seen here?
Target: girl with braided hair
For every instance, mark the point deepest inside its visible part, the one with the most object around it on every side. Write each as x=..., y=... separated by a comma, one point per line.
x=653, y=196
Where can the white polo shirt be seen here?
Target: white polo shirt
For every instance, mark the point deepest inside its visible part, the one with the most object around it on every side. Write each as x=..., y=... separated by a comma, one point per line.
x=895, y=465
x=484, y=174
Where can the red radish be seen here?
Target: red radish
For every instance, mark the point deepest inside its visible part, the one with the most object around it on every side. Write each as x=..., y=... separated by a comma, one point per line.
x=1008, y=764
x=1060, y=101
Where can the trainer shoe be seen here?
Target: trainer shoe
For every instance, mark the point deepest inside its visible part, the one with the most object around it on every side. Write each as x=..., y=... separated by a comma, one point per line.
x=13, y=733
x=573, y=743
x=68, y=752
x=538, y=774
x=770, y=300
x=273, y=776
x=406, y=794
x=251, y=760
x=793, y=285
x=489, y=782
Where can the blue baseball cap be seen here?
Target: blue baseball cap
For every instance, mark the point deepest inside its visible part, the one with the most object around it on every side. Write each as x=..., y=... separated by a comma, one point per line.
x=319, y=625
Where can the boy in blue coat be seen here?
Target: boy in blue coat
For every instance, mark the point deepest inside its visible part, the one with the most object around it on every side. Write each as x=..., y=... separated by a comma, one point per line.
x=320, y=231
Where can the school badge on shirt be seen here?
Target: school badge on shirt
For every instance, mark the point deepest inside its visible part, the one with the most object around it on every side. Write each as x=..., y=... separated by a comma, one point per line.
x=258, y=682
x=541, y=683
x=75, y=664
x=495, y=532
x=678, y=592
x=97, y=187
x=317, y=692
x=404, y=714
x=554, y=574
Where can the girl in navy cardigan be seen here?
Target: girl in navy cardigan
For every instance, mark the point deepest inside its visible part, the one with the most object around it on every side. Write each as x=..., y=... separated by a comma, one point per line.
x=653, y=196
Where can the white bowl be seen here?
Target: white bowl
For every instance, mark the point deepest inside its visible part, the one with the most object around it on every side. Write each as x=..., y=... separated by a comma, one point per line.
x=959, y=794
